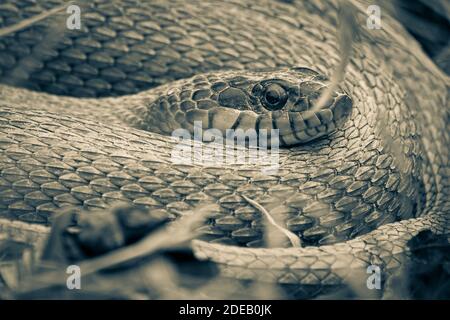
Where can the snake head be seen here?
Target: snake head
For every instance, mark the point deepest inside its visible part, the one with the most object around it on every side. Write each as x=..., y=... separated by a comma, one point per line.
x=270, y=99
x=286, y=101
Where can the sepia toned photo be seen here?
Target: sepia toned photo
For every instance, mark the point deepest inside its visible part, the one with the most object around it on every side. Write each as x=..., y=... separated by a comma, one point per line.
x=224, y=150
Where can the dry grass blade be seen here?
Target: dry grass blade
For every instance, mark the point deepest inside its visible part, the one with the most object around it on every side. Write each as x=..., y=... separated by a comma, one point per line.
x=295, y=241
x=174, y=234
x=28, y=22
x=348, y=30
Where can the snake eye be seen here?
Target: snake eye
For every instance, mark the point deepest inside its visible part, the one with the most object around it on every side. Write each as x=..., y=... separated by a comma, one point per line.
x=274, y=97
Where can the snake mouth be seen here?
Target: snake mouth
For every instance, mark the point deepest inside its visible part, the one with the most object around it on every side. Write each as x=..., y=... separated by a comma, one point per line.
x=303, y=126
x=294, y=128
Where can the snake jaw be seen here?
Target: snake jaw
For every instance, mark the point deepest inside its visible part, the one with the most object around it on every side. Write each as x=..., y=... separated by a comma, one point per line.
x=304, y=126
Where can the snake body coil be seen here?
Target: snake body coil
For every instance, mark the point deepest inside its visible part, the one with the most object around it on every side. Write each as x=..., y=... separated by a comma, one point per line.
x=378, y=175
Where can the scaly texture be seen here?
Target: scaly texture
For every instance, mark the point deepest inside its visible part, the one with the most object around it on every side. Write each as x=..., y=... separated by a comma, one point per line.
x=353, y=196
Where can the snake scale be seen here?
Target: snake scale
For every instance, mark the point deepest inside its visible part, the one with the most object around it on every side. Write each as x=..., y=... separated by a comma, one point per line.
x=378, y=175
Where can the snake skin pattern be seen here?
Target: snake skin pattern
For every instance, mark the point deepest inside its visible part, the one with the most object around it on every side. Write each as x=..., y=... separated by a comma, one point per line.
x=354, y=197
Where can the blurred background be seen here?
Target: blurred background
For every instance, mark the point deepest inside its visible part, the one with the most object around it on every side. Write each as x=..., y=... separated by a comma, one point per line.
x=429, y=22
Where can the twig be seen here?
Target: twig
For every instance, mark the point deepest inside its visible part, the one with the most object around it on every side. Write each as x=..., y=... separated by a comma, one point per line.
x=295, y=240
x=347, y=32
x=27, y=22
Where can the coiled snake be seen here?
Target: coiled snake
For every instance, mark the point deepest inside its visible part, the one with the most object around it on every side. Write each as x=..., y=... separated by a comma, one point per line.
x=378, y=175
